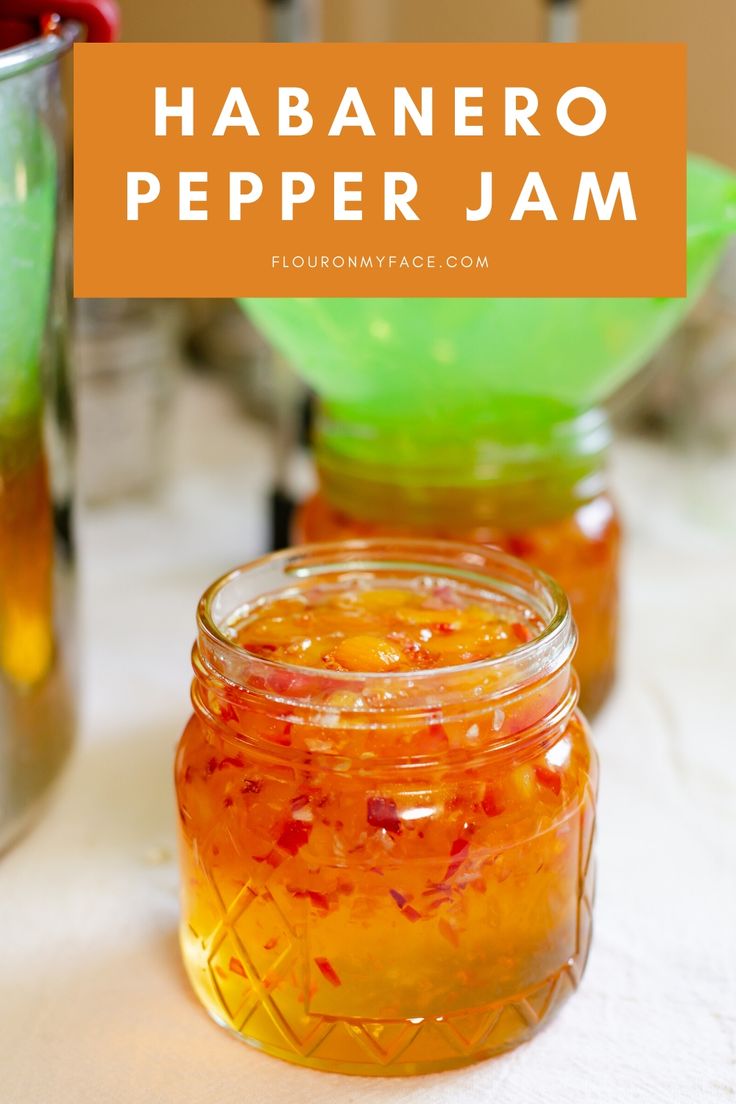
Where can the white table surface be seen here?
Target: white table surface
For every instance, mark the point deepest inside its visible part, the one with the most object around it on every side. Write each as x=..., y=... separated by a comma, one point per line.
x=93, y=1004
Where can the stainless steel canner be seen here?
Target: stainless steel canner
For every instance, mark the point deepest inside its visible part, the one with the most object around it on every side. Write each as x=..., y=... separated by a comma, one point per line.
x=37, y=695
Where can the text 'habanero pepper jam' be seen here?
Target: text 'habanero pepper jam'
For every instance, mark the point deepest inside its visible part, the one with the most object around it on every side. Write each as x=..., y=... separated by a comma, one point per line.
x=386, y=799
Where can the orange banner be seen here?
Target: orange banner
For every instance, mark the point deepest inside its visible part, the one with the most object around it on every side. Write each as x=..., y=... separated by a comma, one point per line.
x=380, y=169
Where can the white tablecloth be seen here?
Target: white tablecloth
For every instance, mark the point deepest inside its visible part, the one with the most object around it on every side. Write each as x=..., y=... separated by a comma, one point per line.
x=93, y=1004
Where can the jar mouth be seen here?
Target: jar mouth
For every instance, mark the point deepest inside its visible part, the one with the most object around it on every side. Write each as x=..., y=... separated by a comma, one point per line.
x=489, y=569
x=39, y=51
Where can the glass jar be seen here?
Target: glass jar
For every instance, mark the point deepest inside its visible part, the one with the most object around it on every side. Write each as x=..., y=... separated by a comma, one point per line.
x=385, y=873
x=36, y=430
x=538, y=492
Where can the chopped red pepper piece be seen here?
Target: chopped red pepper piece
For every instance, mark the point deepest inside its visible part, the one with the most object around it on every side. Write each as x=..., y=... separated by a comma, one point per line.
x=328, y=971
x=522, y=632
x=319, y=900
x=231, y=761
x=405, y=908
x=519, y=546
x=236, y=966
x=458, y=853
x=227, y=713
x=382, y=813
x=294, y=835
x=549, y=778
x=490, y=803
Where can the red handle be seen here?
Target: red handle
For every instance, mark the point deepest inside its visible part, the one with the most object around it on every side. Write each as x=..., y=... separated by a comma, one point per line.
x=100, y=17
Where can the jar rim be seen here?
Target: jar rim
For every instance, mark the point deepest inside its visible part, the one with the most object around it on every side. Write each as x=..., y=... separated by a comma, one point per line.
x=481, y=565
x=39, y=51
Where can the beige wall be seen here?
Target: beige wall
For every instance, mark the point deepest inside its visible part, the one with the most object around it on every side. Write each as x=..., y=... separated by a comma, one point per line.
x=708, y=27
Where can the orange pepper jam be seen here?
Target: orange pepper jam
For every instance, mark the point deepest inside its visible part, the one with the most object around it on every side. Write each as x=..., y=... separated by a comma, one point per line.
x=386, y=799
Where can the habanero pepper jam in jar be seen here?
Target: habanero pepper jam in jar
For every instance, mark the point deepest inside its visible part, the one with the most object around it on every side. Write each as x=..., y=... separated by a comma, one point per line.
x=386, y=797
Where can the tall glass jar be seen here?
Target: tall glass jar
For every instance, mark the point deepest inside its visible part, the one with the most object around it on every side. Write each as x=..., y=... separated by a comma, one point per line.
x=539, y=492
x=36, y=471
x=385, y=873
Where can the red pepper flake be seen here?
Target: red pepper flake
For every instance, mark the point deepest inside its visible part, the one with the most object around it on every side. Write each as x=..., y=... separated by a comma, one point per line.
x=236, y=967
x=227, y=713
x=490, y=803
x=299, y=802
x=522, y=632
x=549, y=778
x=458, y=854
x=282, y=736
x=439, y=901
x=251, y=786
x=433, y=740
x=405, y=908
x=317, y=899
x=231, y=761
x=420, y=656
x=228, y=802
x=270, y=943
x=328, y=971
x=212, y=764
x=445, y=627
x=294, y=835
x=399, y=898
x=519, y=546
x=382, y=813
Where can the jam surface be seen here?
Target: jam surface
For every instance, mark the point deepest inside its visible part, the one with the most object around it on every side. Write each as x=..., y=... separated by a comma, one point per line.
x=374, y=629
x=349, y=913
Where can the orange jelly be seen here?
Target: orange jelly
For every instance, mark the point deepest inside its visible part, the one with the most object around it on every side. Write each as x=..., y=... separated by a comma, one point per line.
x=386, y=800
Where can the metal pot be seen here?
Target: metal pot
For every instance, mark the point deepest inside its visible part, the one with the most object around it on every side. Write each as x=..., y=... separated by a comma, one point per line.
x=36, y=432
